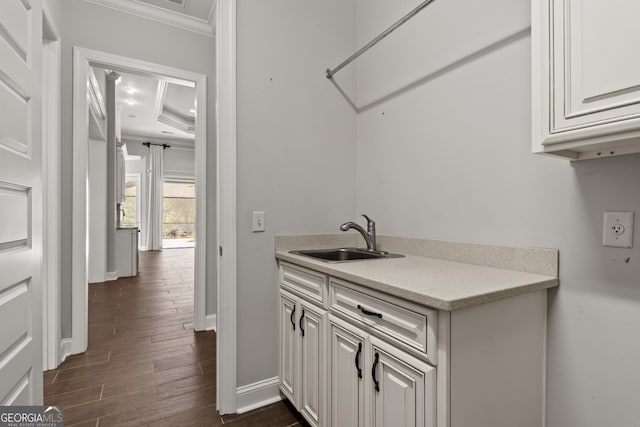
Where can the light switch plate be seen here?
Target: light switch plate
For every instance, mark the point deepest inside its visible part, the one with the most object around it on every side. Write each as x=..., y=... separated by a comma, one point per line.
x=258, y=221
x=617, y=229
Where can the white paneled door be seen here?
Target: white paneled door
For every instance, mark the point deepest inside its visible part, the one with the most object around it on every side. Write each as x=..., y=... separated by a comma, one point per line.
x=20, y=202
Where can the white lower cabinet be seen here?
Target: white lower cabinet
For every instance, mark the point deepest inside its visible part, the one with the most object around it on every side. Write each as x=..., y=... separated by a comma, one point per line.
x=356, y=357
x=375, y=384
x=302, y=359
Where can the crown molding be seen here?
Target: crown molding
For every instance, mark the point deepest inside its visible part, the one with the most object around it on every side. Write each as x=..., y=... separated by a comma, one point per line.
x=176, y=121
x=169, y=117
x=159, y=14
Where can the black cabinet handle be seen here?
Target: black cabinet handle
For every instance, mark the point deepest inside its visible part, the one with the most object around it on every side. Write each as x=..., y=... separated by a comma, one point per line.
x=376, y=383
x=358, y=360
x=369, y=313
x=293, y=322
x=301, y=318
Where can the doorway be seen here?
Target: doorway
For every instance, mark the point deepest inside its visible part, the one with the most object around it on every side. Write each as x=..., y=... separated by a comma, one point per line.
x=83, y=60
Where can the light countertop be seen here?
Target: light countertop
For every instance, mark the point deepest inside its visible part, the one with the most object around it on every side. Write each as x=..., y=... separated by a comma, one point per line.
x=442, y=284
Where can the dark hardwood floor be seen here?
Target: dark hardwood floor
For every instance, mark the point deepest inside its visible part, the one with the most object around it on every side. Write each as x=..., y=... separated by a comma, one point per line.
x=145, y=365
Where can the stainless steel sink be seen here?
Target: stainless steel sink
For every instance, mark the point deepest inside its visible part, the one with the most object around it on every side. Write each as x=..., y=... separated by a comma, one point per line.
x=345, y=254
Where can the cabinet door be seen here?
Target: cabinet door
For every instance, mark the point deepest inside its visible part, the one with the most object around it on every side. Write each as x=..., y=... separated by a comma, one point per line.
x=312, y=362
x=347, y=364
x=288, y=349
x=592, y=68
x=402, y=389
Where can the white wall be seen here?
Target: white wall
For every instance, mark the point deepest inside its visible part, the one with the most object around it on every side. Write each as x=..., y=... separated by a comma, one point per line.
x=449, y=158
x=179, y=163
x=101, y=28
x=179, y=159
x=295, y=150
x=97, y=217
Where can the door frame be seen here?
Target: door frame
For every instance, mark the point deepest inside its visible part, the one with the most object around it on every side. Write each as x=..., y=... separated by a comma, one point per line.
x=226, y=336
x=52, y=61
x=82, y=59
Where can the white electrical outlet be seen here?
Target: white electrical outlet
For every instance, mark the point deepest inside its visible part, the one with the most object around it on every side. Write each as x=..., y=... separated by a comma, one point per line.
x=617, y=229
x=258, y=221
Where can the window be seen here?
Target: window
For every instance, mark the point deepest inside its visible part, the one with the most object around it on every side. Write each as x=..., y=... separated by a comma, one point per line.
x=130, y=207
x=178, y=215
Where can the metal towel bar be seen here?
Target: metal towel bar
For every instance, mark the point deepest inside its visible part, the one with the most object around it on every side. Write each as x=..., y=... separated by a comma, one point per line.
x=373, y=42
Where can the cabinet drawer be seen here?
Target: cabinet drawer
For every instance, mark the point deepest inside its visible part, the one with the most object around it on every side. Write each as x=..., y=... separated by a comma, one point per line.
x=304, y=282
x=409, y=323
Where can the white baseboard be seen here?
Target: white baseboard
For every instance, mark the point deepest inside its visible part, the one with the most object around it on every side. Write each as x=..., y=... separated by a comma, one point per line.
x=65, y=349
x=211, y=322
x=257, y=395
x=111, y=275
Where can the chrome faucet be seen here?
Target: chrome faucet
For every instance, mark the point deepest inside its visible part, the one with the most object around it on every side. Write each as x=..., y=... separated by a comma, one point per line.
x=369, y=235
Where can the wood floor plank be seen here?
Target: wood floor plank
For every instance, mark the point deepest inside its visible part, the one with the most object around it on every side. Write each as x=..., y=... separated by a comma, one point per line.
x=77, y=362
x=186, y=385
x=187, y=359
x=88, y=423
x=156, y=409
x=78, y=397
x=158, y=379
x=106, y=371
x=105, y=407
x=201, y=417
x=275, y=415
x=49, y=376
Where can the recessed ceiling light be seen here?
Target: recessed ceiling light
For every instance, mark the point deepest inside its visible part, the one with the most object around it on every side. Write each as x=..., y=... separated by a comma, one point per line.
x=193, y=110
x=167, y=132
x=130, y=101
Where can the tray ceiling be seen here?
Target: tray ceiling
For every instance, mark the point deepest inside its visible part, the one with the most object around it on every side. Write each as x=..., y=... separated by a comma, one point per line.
x=154, y=108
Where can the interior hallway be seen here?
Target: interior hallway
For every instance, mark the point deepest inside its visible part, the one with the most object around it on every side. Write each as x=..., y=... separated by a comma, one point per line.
x=145, y=365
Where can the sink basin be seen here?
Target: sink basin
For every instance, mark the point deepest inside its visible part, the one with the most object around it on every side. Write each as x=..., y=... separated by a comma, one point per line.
x=345, y=254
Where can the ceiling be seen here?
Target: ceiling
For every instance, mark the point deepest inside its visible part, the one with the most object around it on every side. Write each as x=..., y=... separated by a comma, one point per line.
x=193, y=15
x=154, y=108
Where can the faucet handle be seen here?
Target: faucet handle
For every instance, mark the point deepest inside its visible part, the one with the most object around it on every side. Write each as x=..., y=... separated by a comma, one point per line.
x=371, y=224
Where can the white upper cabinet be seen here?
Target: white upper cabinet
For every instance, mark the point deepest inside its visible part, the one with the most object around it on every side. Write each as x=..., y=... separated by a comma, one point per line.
x=586, y=78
